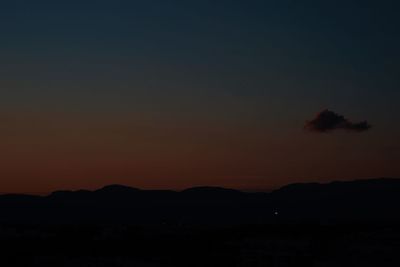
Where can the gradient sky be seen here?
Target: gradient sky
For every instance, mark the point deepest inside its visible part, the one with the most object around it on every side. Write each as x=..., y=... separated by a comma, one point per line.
x=174, y=94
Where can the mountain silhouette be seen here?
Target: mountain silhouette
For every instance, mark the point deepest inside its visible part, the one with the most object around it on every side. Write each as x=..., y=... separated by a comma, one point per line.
x=350, y=201
x=117, y=189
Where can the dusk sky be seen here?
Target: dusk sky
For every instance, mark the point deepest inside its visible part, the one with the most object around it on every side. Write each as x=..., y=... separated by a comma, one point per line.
x=175, y=94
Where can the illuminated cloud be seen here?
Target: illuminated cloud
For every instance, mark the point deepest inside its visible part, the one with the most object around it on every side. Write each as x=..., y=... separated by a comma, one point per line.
x=327, y=121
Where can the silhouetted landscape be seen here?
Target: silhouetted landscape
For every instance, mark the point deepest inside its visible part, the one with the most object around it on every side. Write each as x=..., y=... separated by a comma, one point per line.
x=246, y=133
x=335, y=224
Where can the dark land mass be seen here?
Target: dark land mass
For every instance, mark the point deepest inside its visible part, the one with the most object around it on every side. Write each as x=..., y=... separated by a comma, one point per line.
x=336, y=224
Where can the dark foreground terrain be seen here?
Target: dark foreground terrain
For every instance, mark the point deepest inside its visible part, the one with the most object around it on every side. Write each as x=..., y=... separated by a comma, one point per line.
x=262, y=245
x=336, y=224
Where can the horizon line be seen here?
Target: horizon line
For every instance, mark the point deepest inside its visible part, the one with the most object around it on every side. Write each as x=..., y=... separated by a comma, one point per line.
x=245, y=190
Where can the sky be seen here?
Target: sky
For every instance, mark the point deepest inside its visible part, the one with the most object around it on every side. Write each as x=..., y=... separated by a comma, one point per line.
x=175, y=94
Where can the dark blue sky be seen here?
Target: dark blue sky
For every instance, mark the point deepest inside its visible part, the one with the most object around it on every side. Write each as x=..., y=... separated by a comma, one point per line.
x=194, y=69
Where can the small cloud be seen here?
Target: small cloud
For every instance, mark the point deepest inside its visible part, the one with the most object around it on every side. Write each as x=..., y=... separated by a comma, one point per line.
x=327, y=121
